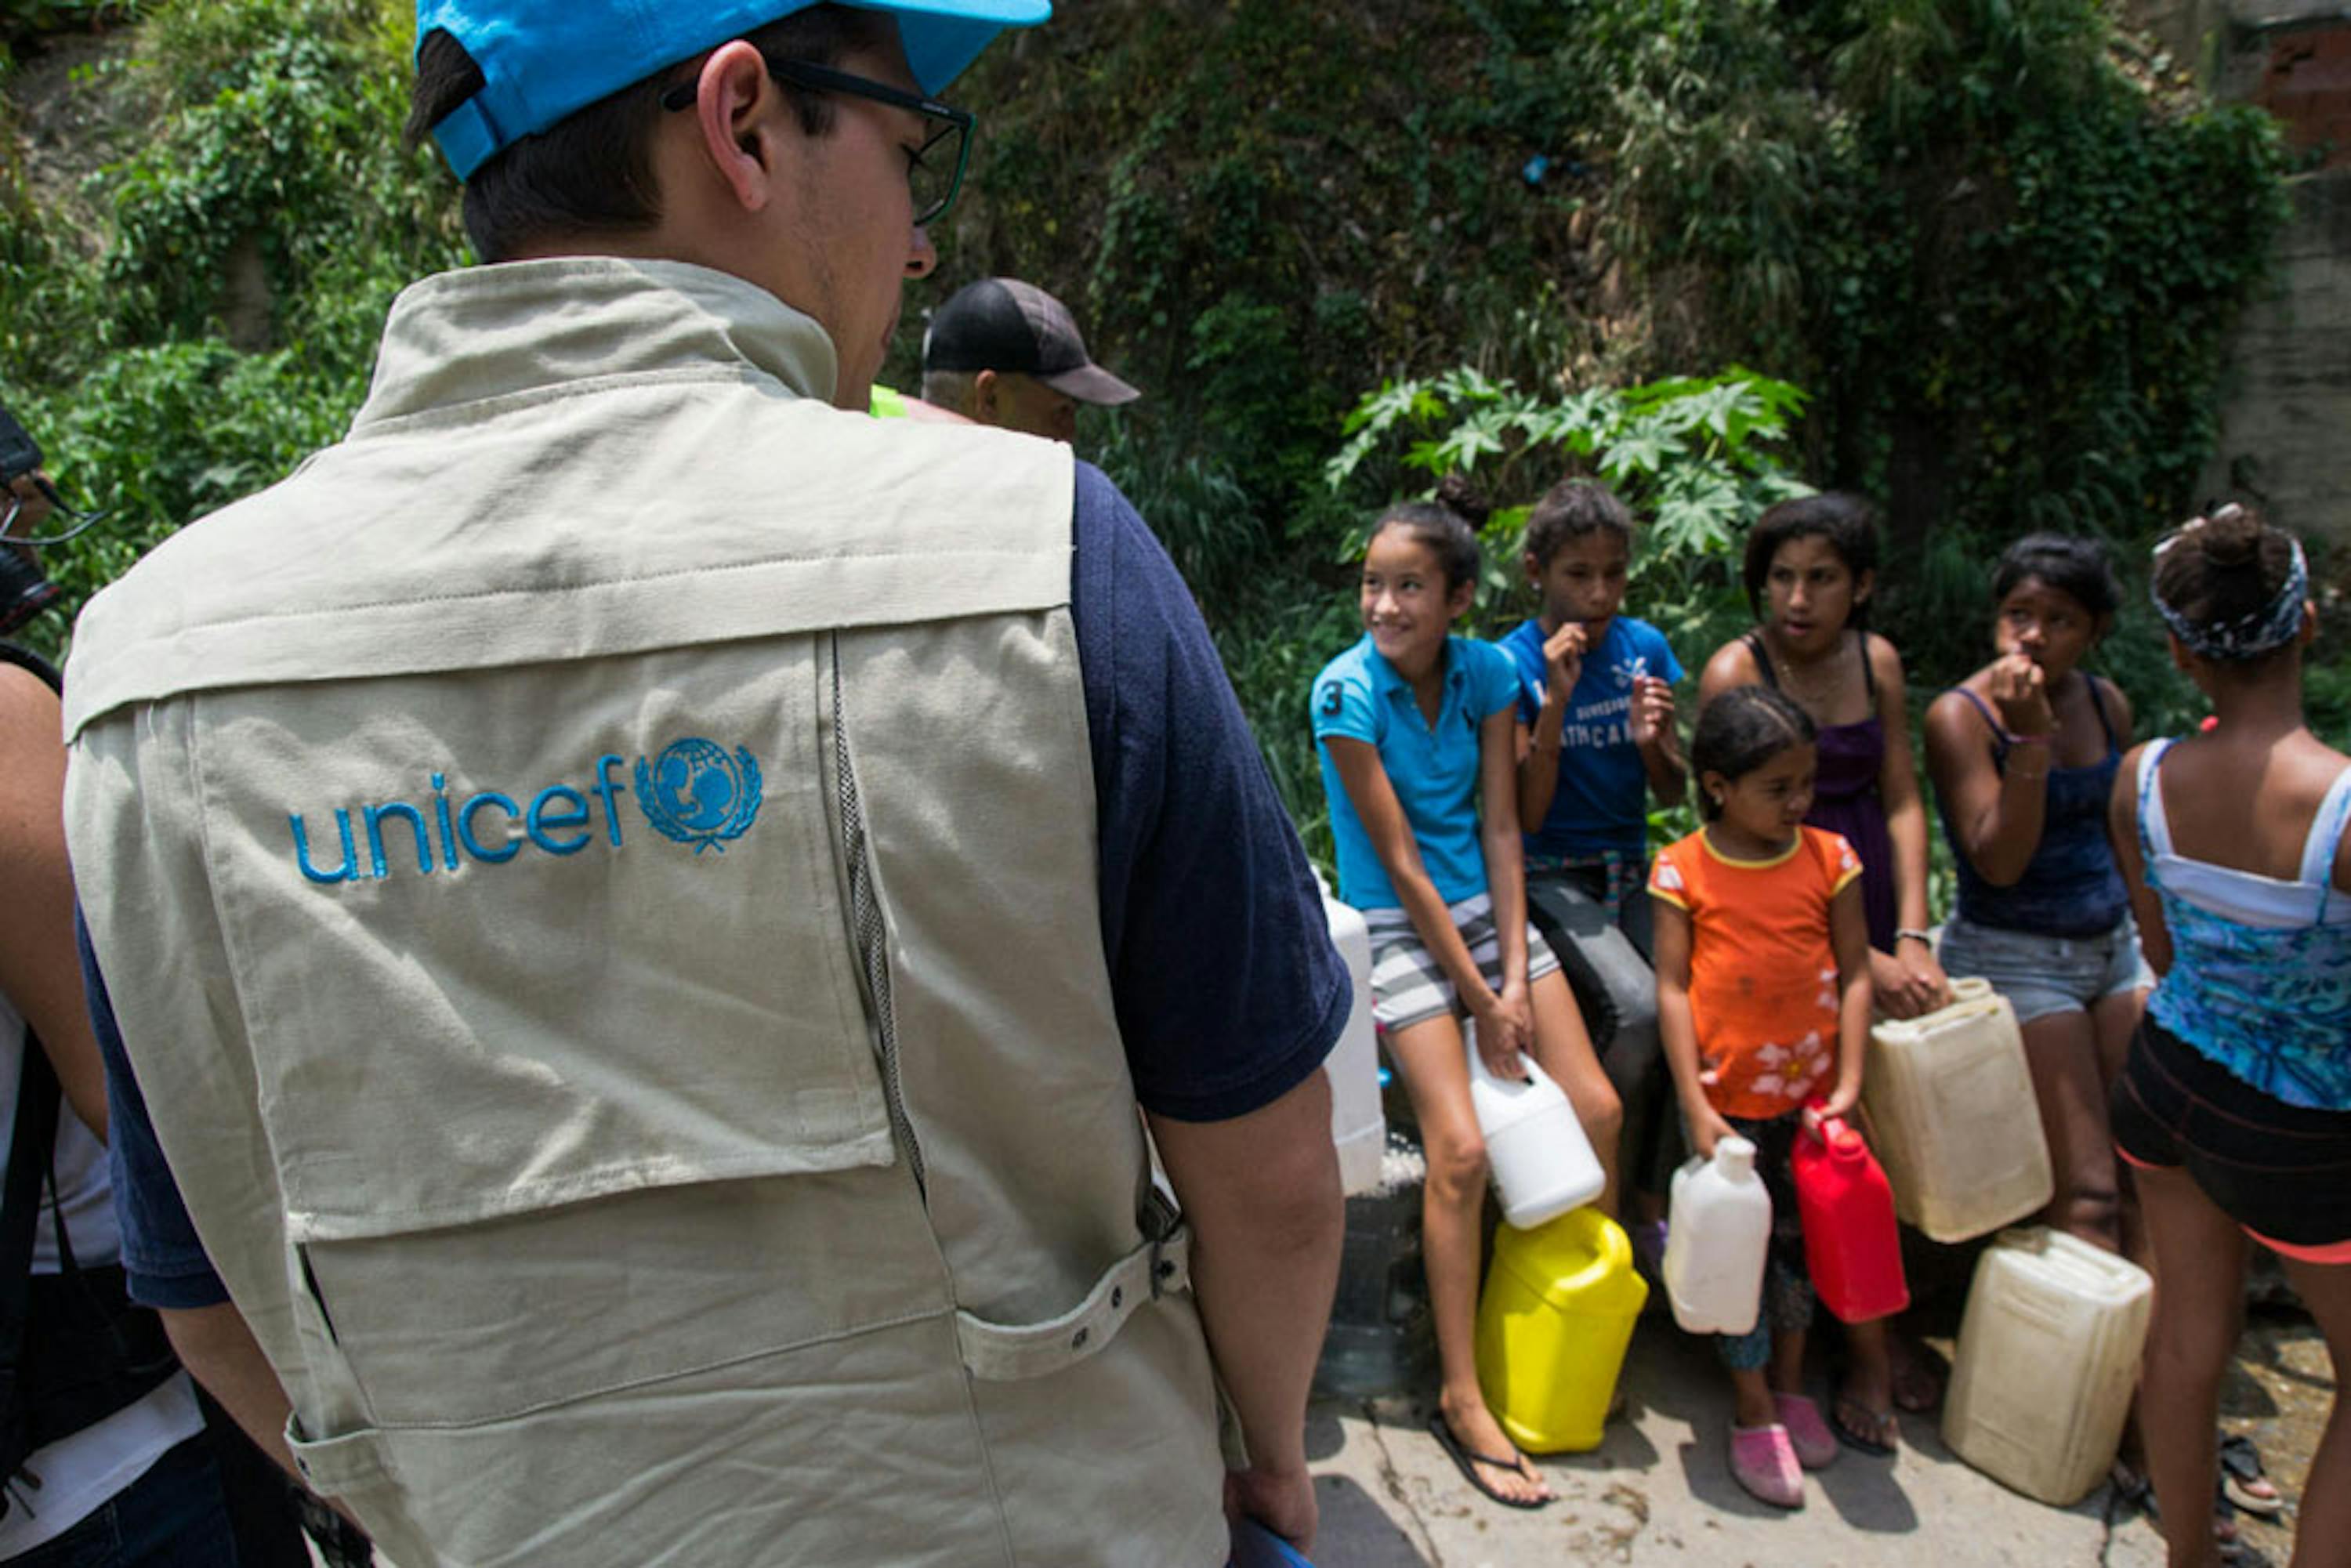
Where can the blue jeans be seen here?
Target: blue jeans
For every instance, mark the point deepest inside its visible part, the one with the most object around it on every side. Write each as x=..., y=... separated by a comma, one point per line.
x=1605, y=953
x=173, y=1517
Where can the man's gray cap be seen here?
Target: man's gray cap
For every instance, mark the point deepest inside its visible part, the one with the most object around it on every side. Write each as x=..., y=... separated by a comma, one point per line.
x=1002, y=324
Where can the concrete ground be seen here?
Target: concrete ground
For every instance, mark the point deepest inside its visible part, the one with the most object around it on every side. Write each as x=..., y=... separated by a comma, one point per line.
x=1659, y=1491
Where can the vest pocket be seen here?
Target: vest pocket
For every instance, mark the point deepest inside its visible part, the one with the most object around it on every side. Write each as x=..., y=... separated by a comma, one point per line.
x=537, y=937
x=516, y=1316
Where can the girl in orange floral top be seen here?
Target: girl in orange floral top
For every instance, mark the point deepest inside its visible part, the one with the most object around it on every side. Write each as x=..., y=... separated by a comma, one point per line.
x=1763, y=960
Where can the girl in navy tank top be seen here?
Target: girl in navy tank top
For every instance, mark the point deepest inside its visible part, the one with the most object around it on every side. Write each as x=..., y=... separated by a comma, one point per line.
x=2022, y=754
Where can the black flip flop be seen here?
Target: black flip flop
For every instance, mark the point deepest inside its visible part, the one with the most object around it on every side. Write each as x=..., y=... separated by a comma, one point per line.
x=1855, y=1437
x=1469, y=1461
x=2241, y=1463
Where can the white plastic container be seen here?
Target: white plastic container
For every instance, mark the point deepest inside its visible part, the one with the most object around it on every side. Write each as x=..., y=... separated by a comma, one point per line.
x=2048, y=1356
x=1542, y=1165
x=1958, y=1128
x=1358, y=1125
x=1717, y=1230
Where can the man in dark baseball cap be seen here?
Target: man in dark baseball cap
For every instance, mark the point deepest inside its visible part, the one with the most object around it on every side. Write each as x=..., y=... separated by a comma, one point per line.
x=1007, y=353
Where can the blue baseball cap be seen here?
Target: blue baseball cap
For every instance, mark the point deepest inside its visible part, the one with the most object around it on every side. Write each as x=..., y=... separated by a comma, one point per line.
x=543, y=60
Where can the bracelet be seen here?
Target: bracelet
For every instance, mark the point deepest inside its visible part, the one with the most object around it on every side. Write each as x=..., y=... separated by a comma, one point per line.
x=2040, y=740
x=1909, y=934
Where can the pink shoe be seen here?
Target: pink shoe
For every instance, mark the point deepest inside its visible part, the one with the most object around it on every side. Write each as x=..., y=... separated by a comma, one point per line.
x=1763, y=1460
x=1808, y=1434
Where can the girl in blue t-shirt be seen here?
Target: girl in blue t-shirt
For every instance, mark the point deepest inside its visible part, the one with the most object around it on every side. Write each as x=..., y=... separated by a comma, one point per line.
x=1417, y=733
x=1596, y=740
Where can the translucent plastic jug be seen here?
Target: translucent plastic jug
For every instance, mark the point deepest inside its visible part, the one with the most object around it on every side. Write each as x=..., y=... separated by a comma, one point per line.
x=1718, y=1227
x=1541, y=1163
x=1553, y=1325
x=1358, y=1126
x=1958, y=1128
x=2048, y=1354
x=1852, y=1248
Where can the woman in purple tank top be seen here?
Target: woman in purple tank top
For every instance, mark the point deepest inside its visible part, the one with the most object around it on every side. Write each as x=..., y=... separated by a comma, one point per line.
x=1810, y=566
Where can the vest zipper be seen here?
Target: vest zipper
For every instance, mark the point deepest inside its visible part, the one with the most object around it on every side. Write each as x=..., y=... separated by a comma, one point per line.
x=317, y=1296
x=872, y=938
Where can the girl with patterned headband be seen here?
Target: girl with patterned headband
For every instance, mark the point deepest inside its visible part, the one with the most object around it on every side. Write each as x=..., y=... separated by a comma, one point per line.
x=2235, y=1103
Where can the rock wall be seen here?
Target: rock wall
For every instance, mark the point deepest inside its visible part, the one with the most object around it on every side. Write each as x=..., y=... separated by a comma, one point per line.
x=2281, y=429
x=2290, y=397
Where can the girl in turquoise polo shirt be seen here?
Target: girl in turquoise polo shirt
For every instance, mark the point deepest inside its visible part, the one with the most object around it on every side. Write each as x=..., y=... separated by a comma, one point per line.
x=1417, y=733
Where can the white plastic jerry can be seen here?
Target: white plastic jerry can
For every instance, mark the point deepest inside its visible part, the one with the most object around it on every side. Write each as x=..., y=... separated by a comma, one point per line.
x=2048, y=1356
x=1958, y=1126
x=1541, y=1163
x=1359, y=1127
x=1717, y=1231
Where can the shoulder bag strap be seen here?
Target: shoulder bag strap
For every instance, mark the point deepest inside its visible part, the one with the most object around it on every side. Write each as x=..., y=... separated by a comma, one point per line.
x=35, y=1134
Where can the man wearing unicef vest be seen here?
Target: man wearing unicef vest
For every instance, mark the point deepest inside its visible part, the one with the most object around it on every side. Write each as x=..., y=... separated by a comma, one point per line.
x=640, y=907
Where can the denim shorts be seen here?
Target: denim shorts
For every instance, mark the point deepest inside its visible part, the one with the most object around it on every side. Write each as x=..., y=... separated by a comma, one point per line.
x=2041, y=975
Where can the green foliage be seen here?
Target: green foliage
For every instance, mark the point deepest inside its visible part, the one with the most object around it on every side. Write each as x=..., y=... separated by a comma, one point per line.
x=224, y=324
x=22, y=19
x=1695, y=457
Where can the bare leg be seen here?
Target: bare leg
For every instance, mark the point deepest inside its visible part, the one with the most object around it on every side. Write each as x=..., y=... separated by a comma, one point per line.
x=2115, y=1020
x=1750, y=1397
x=2061, y=1049
x=2323, y=1533
x=1788, y=1362
x=2198, y=1312
x=1867, y=1393
x=1436, y=1070
x=1565, y=1051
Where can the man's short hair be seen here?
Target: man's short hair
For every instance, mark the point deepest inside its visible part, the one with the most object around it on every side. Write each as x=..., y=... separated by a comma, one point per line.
x=947, y=389
x=592, y=172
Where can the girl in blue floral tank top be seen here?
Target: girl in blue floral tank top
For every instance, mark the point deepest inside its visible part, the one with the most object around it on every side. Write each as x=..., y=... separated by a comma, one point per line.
x=2234, y=1105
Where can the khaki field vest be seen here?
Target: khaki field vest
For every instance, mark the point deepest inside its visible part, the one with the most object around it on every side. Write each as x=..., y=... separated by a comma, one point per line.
x=597, y=875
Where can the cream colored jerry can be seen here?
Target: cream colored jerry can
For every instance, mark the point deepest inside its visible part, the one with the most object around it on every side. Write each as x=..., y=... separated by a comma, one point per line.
x=1957, y=1128
x=2048, y=1356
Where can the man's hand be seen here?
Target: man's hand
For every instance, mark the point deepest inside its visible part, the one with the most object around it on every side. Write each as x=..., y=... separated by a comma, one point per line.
x=1282, y=1501
x=1261, y=1194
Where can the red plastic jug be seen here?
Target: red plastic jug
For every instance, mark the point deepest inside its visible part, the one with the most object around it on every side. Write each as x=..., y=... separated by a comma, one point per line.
x=1852, y=1245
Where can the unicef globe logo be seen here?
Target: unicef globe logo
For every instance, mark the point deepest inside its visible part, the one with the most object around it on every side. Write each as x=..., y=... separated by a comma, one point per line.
x=697, y=794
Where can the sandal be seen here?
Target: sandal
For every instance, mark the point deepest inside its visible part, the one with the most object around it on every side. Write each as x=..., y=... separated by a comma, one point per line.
x=2242, y=1473
x=1859, y=1426
x=1763, y=1460
x=1917, y=1387
x=1469, y=1460
x=1815, y=1445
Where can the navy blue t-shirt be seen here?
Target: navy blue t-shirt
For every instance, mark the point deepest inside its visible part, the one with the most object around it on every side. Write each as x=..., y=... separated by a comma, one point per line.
x=1228, y=991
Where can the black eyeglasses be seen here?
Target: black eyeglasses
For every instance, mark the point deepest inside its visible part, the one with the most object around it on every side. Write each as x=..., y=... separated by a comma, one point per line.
x=934, y=171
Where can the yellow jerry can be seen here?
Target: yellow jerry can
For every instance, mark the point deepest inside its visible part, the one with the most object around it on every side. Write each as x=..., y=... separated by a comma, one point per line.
x=1557, y=1315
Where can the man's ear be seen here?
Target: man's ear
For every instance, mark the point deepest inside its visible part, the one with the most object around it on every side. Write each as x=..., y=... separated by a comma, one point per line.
x=983, y=393
x=732, y=100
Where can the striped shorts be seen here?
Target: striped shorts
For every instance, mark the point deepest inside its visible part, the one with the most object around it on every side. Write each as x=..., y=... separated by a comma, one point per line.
x=1407, y=985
